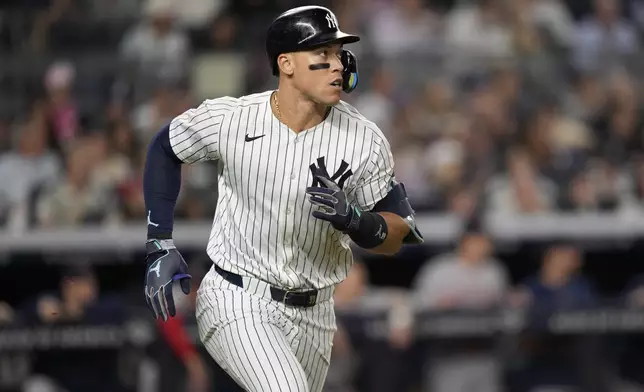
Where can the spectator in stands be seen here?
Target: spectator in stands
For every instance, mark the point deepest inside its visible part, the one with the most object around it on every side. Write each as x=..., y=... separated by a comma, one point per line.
x=80, y=198
x=432, y=114
x=377, y=102
x=586, y=97
x=558, y=286
x=380, y=362
x=224, y=32
x=620, y=121
x=155, y=49
x=160, y=108
x=605, y=39
x=552, y=17
x=477, y=35
x=560, y=143
x=121, y=148
x=62, y=111
x=469, y=278
x=77, y=302
x=523, y=190
x=404, y=27
x=27, y=169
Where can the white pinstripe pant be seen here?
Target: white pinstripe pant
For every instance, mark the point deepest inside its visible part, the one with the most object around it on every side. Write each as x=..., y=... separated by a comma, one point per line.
x=263, y=344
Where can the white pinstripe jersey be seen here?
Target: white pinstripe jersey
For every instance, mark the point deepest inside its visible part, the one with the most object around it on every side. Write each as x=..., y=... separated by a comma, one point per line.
x=263, y=225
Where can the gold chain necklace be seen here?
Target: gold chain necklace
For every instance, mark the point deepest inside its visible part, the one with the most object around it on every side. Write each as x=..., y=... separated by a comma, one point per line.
x=277, y=108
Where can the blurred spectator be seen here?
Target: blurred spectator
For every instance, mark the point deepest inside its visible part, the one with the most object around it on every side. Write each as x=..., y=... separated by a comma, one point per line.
x=432, y=114
x=551, y=17
x=62, y=111
x=121, y=148
x=80, y=198
x=605, y=39
x=586, y=97
x=469, y=278
x=76, y=301
x=523, y=190
x=559, y=284
x=377, y=103
x=404, y=27
x=477, y=35
x=198, y=13
x=618, y=126
x=224, y=32
x=156, y=49
x=557, y=360
x=162, y=106
x=466, y=279
x=30, y=167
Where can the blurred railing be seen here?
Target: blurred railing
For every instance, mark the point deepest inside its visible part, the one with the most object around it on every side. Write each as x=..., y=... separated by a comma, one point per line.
x=373, y=324
x=437, y=229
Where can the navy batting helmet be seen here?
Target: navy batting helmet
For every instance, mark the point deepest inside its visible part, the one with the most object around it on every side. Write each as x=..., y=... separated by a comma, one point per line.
x=307, y=27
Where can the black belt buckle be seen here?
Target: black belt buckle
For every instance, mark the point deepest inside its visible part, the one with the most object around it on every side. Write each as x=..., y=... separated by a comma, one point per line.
x=295, y=298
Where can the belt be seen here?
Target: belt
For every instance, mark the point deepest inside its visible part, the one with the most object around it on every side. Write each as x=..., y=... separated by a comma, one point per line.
x=302, y=299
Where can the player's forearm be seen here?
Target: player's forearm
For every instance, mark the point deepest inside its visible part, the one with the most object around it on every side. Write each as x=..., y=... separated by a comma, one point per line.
x=397, y=230
x=161, y=185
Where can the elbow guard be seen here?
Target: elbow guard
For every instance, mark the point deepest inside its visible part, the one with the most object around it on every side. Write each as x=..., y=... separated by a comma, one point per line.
x=397, y=202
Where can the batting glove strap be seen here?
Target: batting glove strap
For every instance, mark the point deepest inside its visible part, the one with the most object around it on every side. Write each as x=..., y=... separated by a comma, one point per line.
x=154, y=246
x=353, y=222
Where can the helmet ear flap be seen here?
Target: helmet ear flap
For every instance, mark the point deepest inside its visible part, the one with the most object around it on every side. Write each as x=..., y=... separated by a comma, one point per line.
x=350, y=71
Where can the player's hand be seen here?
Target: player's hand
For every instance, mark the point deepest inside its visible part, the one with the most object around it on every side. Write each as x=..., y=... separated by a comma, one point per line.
x=164, y=265
x=333, y=205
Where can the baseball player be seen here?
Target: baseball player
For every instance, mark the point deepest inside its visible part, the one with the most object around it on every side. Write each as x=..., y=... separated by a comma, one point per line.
x=304, y=174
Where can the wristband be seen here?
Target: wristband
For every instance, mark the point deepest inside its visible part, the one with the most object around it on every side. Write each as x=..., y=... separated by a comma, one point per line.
x=371, y=232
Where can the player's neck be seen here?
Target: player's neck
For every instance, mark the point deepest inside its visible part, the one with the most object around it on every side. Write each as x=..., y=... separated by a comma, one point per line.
x=297, y=112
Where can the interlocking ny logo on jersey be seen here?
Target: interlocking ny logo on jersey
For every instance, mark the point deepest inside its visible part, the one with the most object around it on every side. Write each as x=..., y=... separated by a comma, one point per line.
x=340, y=176
x=331, y=22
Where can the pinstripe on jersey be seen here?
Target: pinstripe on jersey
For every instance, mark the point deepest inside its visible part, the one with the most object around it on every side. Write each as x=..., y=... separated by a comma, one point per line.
x=263, y=344
x=263, y=225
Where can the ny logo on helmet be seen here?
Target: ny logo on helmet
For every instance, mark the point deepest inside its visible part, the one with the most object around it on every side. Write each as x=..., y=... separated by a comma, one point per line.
x=340, y=176
x=331, y=22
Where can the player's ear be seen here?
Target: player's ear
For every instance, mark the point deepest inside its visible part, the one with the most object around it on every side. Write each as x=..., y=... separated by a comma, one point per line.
x=286, y=64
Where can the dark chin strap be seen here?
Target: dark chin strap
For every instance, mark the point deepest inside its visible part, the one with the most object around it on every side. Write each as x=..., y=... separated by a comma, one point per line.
x=315, y=67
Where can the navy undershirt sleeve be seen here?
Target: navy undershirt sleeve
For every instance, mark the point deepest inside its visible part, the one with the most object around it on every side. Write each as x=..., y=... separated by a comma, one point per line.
x=161, y=185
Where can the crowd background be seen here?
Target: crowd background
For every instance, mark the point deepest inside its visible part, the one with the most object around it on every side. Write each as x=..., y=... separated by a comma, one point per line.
x=498, y=108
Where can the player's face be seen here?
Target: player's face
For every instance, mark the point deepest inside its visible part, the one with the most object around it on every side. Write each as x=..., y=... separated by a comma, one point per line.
x=322, y=85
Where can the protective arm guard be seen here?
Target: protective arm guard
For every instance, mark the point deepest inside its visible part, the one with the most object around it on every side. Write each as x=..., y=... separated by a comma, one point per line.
x=397, y=202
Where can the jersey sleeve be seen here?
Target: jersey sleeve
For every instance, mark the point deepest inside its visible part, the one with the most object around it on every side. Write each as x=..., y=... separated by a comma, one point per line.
x=377, y=177
x=195, y=134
